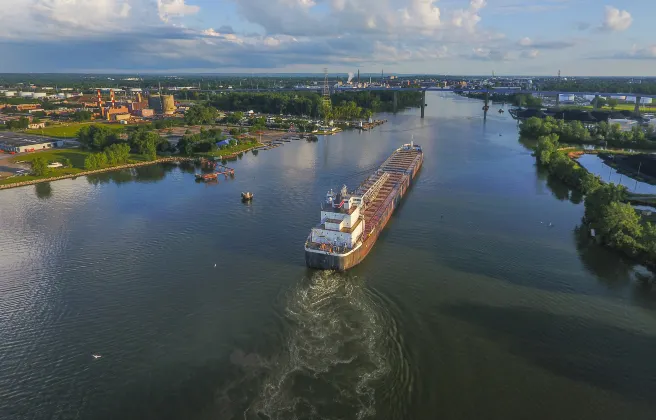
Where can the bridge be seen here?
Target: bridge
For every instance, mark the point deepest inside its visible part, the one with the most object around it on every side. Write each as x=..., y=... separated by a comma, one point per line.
x=424, y=89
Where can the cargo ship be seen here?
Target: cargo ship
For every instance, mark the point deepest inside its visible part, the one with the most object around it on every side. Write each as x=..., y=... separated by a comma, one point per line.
x=352, y=220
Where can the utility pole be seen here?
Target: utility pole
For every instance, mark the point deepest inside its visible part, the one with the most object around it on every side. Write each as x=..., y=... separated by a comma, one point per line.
x=636, y=183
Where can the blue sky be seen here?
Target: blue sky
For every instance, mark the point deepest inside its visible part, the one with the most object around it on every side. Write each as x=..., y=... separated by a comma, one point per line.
x=578, y=37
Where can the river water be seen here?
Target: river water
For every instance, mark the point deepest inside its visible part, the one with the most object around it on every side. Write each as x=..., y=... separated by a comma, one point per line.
x=469, y=307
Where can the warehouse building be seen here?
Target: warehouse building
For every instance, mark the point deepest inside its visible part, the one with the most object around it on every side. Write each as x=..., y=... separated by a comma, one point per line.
x=19, y=143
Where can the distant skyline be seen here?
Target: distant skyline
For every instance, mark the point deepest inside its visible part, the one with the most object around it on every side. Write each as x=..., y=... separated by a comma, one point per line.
x=459, y=37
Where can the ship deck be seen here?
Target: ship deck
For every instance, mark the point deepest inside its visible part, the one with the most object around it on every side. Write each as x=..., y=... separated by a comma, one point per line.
x=396, y=167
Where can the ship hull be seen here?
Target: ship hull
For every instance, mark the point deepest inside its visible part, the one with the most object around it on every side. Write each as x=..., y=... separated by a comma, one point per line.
x=342, y=262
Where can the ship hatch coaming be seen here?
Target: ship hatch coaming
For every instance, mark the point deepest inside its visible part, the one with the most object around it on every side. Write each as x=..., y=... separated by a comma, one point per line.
x=351, y=222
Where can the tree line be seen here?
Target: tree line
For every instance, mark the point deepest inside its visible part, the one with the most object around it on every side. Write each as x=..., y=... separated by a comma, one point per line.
x=344, y=104
x=616, y=223
x=602, y=134
x=210, y=141
x=110, y=148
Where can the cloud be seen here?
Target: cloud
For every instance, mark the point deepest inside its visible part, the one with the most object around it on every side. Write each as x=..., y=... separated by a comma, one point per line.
x=544, y=45
x=634, y=53
x=489, y=54
x=174, y=8
x=616, y=20
x=147, y=34
x=530, y=54
x=468, y=18
x=529, y=6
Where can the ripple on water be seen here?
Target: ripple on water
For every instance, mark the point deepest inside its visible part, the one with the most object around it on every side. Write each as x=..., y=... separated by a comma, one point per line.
x=342, y=351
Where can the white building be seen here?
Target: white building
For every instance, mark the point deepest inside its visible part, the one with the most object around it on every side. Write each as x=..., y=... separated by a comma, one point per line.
x=643, y=101
x=566, y=97
x=28, y=144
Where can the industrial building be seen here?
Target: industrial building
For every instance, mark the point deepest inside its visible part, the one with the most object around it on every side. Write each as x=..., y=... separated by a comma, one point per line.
x=162, y=104
x=19, y=143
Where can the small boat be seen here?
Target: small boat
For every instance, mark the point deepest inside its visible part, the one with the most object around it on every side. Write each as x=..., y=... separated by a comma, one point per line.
x=501, y=111
x=247, y=196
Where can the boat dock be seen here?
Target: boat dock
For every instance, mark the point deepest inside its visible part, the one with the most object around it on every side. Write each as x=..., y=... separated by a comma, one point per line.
x=218, y=170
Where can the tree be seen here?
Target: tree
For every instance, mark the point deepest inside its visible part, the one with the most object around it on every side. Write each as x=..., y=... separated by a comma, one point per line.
x=66, y=162
x=19, y=124
x=82, y=115
x=235, y=117
x=612, y=103
x=96, y=137
x=547, y=146
x=598, y=102
x=151, y=151
x=649, y=240
x=201, y=114
x=39, y=166
x=117, y=153
x=95, y=161
x=147, y=142
x=589, y=182
x=598, y=199
x=620, y=226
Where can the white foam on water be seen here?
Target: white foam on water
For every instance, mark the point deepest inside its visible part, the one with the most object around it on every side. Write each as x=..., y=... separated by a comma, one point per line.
x=334, y=355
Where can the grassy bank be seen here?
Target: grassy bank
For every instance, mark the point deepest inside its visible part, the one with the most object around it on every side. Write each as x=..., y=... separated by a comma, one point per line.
x=616, y=223
x=229, y=151
x=67, y=130
x=75, y=156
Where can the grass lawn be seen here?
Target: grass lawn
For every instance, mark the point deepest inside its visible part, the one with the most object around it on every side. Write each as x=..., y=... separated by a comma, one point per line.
x=229, y=150
x=76, y=156
x=67, y=130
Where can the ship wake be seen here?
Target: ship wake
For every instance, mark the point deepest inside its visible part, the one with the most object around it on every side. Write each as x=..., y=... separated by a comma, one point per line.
x=335, y=354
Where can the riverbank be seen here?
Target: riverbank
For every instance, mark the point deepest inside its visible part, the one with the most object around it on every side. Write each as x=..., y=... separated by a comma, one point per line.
x=96, y=171
x=609, y=218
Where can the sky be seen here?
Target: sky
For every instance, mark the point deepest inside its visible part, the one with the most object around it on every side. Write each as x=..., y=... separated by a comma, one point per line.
x=456, y=37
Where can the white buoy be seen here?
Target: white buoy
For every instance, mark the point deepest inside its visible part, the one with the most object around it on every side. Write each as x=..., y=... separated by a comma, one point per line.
x=96, y=356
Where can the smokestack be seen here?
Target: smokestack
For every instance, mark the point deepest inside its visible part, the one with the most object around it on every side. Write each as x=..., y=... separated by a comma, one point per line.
x=358, y=76
x=111, y=95
x=100, y=107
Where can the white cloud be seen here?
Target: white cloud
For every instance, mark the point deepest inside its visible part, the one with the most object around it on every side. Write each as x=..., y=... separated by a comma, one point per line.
x=174, y=8
x=468, y=18
x=528, y=43
x=525, y=42
x=648, y=52
x=616, y=20
x=477, y=4
x=81, y=14
x=531, y=54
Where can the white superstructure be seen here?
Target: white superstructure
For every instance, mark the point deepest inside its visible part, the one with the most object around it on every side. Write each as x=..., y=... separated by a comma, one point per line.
x=341, y=221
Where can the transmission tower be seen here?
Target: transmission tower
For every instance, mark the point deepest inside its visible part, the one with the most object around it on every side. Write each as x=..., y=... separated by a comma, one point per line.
x=327, y=104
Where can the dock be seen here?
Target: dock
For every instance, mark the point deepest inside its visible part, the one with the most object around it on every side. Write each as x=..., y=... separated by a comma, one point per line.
x=218, y=170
